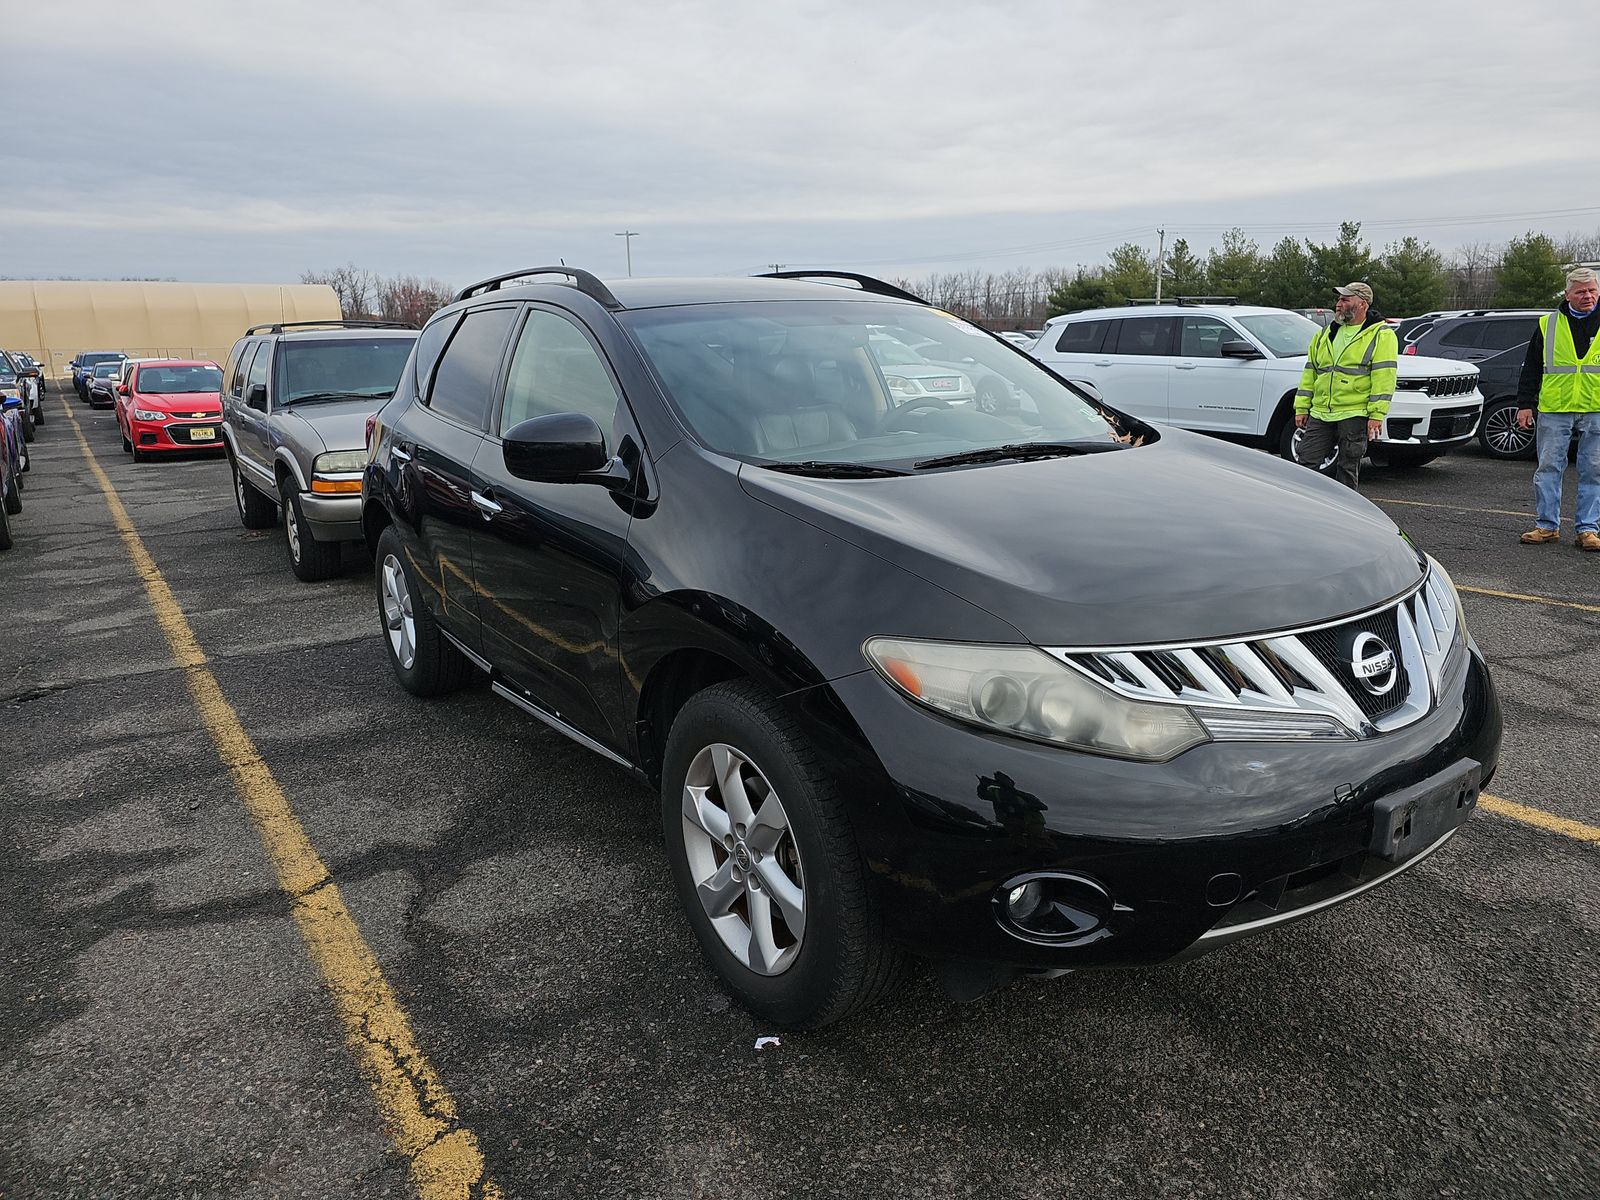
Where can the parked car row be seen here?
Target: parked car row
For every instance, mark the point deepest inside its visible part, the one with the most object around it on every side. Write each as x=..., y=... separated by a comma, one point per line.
x=21, y=414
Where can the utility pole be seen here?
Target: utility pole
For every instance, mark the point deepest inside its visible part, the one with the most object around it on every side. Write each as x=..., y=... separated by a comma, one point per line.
x=628, y=235
x=1161, y=254
x=776, y=267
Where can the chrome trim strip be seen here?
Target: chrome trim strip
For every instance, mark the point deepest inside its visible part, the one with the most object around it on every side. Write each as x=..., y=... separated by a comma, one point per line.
x=560, y=726
x=1228, y=932
x=474, y=658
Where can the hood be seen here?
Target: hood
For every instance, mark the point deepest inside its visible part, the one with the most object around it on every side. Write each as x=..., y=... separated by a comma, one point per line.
x=1185, y=539
x=1414, y=366
x=180, y=402
x=341, y=424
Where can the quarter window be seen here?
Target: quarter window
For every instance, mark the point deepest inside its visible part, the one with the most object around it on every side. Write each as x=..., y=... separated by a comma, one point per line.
x=1083, y=337
x=1468, y=333
x=429, y=343
x=464, y=383
x=555, y=370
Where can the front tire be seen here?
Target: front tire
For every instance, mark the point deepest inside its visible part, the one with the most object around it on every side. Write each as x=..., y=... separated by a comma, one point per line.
x=766, y=864
x=13, y=497
x=424, y=661
x=311, y=561
x=255, y=510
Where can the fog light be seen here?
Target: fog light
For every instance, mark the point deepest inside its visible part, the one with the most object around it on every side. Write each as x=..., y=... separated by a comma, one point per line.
x=1052, y=907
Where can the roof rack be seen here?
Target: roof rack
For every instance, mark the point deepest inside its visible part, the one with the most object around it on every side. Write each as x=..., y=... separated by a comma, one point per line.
x=865, y=282
x=280, y=326
x=586, y=283
x=1185, y=301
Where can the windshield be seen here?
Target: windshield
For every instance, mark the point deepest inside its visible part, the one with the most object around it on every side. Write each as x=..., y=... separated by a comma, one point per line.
x=169, y=381
x=89, y=360
x=1285, y=334
x=812, y=382
x=356, y=367
x=107, y=370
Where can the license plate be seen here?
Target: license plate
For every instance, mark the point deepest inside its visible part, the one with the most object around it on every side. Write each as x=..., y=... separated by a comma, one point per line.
x=1416, y=817
x=204, y=433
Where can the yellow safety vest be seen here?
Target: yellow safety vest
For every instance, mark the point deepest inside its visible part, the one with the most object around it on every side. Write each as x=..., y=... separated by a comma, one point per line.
x=1570, y=383
x=1360, y=383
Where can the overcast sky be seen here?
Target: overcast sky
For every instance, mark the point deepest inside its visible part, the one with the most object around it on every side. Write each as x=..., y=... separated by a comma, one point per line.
x=229, y=142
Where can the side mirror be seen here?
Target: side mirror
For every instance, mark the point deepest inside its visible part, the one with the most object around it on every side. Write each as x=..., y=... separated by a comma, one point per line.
x=562, y=448
x=257, y=396
x=32, y=373
x=1239, y=348
x=122, y=389
x=8, y=402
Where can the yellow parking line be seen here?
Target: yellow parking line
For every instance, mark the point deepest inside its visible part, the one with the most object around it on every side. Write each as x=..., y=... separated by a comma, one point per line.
x=420, y=1116
x=1499, y=512
x=1461, y=587
x=1537, y=816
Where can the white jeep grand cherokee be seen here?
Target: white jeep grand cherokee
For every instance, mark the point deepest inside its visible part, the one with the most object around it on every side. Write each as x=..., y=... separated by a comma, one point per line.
x=1233, y=370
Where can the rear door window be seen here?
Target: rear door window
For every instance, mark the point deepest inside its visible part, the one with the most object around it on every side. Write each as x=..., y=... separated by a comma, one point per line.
x=1468, y=333
x=464, y=383
x=1508, y=332
x=429, y=345
x=1145, y=335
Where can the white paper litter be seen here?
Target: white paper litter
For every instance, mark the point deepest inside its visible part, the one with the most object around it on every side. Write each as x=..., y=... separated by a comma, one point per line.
x=763, y=1042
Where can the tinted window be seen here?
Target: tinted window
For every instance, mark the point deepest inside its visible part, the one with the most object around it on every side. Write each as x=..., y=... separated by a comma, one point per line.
x=1083, y=337
x=355, y=367
x=1467, y=333
x=556, y=370
x=1508, y=332
x=429, y=344
x=1203, y=337
x=171, y=381
x=1145, y=335
x=238, y=364
x=464, y=382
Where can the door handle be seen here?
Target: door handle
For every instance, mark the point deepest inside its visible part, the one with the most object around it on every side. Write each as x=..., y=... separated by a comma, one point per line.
x=1102, y=362
x=1187, y=366
x=486, y=506
x=401, y=453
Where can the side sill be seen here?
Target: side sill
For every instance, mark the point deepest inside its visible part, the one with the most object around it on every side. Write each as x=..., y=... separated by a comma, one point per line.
x=563, y=728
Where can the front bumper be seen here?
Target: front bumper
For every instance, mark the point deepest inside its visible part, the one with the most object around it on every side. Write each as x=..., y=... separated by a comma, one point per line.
x=947, y=814
x=1417, y=419
x=176, y=435
x=333, y=518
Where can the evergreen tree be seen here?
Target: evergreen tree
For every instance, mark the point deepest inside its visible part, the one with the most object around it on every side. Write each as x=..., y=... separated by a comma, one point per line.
x=1409, y=279
x=1286, y=277
x=1337, y=263
x=1185, y=274
x=1086, y=289
x=1132, y=272
x=1530, y=274
x=1233, y=268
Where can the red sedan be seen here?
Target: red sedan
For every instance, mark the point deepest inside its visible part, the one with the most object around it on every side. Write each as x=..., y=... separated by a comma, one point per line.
x=171, y=404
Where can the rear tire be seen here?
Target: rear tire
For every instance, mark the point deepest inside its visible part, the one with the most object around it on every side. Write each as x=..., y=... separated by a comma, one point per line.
x=1499, y=434
x=255, y=510
x=27, y=424
x=424, y=661
x=746, y=874
x=13, y=497
x=5, y=527
x=311, y=561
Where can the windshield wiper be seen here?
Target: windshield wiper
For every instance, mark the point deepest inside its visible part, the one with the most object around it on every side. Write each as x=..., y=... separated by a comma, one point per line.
x=833, y=470
x=1017, y=451
x=376, y=394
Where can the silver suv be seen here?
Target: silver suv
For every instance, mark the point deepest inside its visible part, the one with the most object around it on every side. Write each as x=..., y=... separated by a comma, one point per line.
x=295, y=402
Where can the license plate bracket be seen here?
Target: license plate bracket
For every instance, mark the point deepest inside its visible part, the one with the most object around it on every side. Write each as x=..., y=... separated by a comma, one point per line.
x=1414, y=818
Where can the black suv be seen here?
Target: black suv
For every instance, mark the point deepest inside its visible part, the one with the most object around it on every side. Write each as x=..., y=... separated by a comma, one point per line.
x=1017, y=691
x=1474, y=336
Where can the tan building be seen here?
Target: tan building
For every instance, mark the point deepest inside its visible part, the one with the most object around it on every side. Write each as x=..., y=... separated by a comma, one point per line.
x=54, y=320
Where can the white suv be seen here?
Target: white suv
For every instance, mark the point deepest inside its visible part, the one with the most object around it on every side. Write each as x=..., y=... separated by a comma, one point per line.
x=1233, y=370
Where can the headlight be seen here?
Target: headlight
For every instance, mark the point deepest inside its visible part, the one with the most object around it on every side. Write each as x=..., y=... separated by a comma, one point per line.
x=903, y=386
x=339, y=462
x=146, y=414
x=1023, y=691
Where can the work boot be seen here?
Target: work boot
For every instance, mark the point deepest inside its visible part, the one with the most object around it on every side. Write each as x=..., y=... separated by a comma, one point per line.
x=1535, y=537
x=1589, y=540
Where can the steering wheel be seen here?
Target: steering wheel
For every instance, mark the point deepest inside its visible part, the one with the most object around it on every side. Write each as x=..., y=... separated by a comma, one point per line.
x=890, y=418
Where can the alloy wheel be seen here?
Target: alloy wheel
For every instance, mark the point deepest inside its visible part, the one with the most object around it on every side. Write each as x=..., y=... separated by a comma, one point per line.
x=291, y=526
x=398, y=621
x=1504, y=435
x=743, y=859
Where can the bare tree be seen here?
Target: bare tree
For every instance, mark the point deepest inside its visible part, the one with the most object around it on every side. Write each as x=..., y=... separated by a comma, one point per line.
x=354, y=286
x=411, y=299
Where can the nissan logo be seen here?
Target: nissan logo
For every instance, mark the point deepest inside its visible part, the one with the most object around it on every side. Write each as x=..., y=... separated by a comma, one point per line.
x=1373, y=664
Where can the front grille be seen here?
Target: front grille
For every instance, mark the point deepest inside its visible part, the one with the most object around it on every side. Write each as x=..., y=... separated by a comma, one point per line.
x=1310, y=670
x=1333, y=650
x=183, y=435
x=945, y=383
x=1439, y=386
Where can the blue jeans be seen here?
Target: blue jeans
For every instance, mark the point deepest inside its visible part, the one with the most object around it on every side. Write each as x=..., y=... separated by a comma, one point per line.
x=1554, y=431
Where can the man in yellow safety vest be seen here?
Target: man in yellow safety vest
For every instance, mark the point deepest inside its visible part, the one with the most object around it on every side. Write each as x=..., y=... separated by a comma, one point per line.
x=1346, y=387
x=1561, y=380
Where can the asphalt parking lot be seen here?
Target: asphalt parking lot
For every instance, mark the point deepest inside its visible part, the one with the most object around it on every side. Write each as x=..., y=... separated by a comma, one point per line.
x=170, y=1028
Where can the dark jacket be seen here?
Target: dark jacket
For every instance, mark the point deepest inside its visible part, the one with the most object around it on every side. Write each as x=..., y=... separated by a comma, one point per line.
x=1583, y=331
